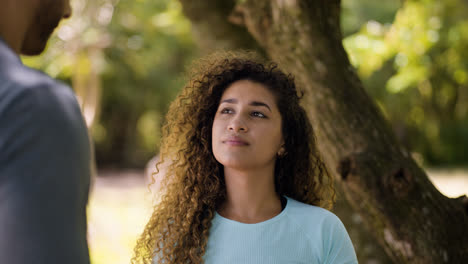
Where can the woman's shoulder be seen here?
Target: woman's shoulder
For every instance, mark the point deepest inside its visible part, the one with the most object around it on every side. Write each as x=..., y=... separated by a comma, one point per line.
x=324, y=231
x=308, y=215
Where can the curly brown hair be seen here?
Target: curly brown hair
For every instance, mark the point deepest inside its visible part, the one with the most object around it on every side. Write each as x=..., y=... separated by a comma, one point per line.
x=194, y=186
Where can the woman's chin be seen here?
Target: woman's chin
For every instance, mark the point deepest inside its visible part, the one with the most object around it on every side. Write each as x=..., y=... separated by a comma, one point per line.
x=238, y=164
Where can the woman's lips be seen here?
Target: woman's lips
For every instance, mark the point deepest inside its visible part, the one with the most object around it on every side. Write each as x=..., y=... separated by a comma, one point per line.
x=235, y=142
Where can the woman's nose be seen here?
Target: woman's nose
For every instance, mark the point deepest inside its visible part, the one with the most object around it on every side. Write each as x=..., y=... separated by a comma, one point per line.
x=238, y=125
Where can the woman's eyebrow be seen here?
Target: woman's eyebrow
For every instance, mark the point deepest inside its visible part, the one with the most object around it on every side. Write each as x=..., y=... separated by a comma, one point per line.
x=253, y=103
x=231, y=101
x=257, y=103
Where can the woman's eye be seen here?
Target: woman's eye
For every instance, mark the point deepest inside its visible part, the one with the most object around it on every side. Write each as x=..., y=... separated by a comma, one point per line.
x=258, y=114
x=226, y=111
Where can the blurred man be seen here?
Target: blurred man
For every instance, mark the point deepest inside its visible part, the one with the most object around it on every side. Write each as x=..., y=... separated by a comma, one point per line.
x=44, y=147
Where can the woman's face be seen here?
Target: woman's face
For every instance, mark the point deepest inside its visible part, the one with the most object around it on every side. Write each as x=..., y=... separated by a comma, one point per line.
x=247, y=127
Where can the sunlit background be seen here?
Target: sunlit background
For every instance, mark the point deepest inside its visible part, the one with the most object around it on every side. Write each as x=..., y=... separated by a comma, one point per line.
x=126, y=59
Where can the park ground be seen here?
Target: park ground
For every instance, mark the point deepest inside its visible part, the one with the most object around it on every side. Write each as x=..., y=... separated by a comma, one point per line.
x=121, y=203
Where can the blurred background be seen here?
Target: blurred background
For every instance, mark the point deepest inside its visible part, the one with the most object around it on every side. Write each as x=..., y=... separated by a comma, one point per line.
x=126, y=62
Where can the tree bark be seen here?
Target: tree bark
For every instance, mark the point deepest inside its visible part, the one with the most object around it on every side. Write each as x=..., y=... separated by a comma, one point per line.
x=412, y=220
x=407, y=215
x=211, y=26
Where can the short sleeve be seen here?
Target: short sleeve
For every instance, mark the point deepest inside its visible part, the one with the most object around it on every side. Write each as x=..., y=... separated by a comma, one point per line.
x=338, y=246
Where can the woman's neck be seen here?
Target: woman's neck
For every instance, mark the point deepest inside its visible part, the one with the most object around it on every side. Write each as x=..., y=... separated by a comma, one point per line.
x=251, y=196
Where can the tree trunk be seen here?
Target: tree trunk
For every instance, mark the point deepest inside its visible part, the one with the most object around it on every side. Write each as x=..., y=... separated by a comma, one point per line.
x=211, y=26
x=409, y=217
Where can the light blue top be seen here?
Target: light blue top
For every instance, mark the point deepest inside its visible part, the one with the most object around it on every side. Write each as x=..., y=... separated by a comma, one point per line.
x=301, y=233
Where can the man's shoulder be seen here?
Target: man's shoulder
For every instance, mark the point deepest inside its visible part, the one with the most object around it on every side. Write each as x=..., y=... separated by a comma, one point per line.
x=41, y=104
x=22, y=77
x=23, y=85
x=17, y=79
x=40, y=115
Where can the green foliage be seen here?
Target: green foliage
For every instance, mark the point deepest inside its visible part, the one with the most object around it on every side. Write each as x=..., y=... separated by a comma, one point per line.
x=355, y=13
x=124, y=59
x=151, y=44
x=417, y=70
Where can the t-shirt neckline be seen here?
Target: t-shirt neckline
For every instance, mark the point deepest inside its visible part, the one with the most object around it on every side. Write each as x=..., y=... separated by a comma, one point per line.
x=275, y=218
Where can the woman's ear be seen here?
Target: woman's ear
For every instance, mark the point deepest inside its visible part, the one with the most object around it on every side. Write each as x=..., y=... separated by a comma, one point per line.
x=282, y=151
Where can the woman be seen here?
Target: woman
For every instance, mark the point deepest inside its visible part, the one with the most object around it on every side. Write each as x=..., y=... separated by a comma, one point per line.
x=244, y=180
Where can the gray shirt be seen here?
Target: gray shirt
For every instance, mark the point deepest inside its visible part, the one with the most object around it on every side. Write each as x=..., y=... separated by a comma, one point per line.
x=44, y=168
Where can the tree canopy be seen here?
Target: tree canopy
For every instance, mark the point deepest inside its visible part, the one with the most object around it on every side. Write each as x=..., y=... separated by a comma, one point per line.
x=126, y=59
